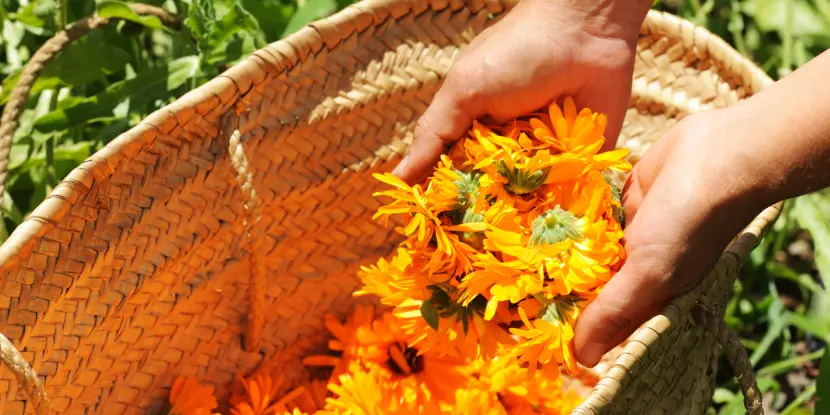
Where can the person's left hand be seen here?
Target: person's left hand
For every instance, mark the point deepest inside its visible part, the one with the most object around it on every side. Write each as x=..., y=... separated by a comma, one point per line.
x=684, y=202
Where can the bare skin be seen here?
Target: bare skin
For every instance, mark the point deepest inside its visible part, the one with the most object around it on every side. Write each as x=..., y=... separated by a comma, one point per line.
x=692, y=191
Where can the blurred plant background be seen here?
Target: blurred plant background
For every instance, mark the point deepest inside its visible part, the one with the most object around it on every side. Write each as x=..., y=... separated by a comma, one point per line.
x=107, y=81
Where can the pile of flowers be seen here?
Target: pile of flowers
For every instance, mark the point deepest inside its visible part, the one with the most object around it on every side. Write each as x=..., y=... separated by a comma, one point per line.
x=516, y=231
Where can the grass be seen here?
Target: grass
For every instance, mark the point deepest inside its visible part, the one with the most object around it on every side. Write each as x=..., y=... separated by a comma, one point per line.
x=108, y=81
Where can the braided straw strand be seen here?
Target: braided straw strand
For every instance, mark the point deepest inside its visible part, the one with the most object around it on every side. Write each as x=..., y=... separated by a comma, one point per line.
x=253, y=237
x=25, y=376
x=735, y=354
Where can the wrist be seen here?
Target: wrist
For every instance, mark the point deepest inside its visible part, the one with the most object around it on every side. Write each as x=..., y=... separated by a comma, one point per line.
x=737, y=183
x=616, y=19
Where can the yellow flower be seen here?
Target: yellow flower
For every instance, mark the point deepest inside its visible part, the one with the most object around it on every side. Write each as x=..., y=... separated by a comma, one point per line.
x=189, y=397
x=569, y=131
x=576, y=249
x=392, y=281
x=360, y=393
x=521, y=393
x=421, y=220
x=455, y=189
x=474, y=401
x=427, y=226
x=459, y=331
x=501, y=281
x=546, y=342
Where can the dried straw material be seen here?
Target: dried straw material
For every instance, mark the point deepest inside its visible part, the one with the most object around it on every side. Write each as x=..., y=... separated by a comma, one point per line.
x=137, y=268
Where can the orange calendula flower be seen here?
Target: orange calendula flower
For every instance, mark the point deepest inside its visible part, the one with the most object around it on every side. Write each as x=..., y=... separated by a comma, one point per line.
x=429, y=312
x=427, y=226
x=259, y=395
x=546, y=342
x=189, y=397
x=566, y=130
x=409, y=378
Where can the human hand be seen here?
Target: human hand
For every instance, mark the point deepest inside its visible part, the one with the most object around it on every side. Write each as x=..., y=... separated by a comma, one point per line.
x=686, y=199
x=541, y=50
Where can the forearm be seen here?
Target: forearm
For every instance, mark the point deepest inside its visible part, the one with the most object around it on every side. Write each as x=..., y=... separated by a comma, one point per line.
x=620, y=19
x=786, y=148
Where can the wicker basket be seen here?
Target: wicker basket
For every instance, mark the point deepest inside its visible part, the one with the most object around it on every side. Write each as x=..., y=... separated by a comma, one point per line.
x=137, y=268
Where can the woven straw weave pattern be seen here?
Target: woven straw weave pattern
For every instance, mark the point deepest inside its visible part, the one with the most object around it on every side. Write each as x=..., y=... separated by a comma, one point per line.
x=135, y=269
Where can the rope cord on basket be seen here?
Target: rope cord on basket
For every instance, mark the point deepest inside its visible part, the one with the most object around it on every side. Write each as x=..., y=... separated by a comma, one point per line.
x=735, y=355
x=9, y=122
x=252, y=204
x=24, y=375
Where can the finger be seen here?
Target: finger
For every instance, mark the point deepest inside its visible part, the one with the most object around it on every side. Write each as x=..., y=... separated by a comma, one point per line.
x=449, y=116
x=644, y=174
x=625, y=303
x=597, y=97
x=632, y=195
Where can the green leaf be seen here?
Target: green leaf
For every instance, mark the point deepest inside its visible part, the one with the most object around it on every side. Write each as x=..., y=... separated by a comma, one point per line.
x=823, y=386
x=272, y=15
x=202, y=23
x=232, y=52
x=771, y=15
x=812, y=212
x=817, y=327
x=120, y=10
x=11, y=211
x=430, y=314
x=795, y=407
x=779, y=319
x=235, y=20
x=144, y=89
x=88, y=59
x=308, y=12
x=784, y=366
x=40, y=15
x=723, y=395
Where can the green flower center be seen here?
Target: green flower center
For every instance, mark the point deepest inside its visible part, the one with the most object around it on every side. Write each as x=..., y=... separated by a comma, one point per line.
x=554, y=226
x=467, y=186
x=616, y=196
x=444, y=304
x=560, y=307
x=520, y=181
x=474, y=239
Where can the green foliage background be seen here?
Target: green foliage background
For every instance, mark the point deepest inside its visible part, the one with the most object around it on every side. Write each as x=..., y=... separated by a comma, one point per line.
x=108, y=81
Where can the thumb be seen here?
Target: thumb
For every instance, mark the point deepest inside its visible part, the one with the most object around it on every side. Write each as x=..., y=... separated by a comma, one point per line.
x=448, y=117
x=646, y=281
x=626, y=302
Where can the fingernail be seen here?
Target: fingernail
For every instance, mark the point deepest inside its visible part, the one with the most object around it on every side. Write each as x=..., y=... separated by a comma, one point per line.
x=591, y=354
x=401, y=167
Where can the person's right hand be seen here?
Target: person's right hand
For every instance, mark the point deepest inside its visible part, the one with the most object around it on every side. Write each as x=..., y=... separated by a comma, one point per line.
x=541, y=50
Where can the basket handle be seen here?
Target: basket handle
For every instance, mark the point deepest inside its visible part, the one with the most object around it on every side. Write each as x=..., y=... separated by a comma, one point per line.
x=9, y=122
x=735, y=354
